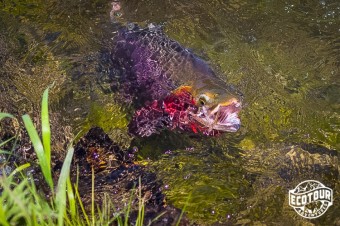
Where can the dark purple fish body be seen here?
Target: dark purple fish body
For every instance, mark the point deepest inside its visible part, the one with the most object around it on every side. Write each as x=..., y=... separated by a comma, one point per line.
x=152, y=67
x=156, y=64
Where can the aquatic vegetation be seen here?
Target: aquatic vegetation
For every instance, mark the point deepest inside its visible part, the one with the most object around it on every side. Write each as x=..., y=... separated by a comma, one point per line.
x=196, y=179
x=111, y=117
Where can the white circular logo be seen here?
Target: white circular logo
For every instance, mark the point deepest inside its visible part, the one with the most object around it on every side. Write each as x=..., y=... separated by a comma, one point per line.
x=310, y=198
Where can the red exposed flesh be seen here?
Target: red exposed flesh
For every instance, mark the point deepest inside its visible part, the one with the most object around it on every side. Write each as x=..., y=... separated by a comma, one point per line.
x=173, y=112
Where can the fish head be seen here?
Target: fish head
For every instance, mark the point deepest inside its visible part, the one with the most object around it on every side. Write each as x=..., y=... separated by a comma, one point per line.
x=218, y=107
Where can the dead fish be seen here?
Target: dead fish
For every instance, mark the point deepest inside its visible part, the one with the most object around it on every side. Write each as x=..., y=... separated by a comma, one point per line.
x=170, y=86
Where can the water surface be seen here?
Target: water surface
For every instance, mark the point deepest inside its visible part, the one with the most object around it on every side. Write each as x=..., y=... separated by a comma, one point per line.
x=282, y=55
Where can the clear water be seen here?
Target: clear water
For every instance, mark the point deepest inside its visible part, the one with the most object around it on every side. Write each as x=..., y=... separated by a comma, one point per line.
x=283, y=55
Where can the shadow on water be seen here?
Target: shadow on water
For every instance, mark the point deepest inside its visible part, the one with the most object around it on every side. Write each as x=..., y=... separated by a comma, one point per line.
x=283, y=55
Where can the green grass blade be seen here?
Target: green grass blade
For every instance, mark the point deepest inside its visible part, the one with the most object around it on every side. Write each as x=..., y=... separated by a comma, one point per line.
x=5, y=115
x=39, y=149
x=3, y=202
x=82, y=206
x=183, y=210
x=18, y=197
x=140, y=217
x=92, y=198
x=20, y=168
x=127, y=212
x=45, y=128
x=80, y=202
x=6, y=141
x=5, y=152
x=156, y=218
x=71, y=199
x=61, y=187
x=3, y=220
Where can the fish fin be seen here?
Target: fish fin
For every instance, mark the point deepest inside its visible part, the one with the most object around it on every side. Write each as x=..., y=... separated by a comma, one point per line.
x=181, y=89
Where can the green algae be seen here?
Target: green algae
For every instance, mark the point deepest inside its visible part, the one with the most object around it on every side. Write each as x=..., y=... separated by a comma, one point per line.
x=108, y=117
x=215, y=188
x=246, y=144
x=111, y=118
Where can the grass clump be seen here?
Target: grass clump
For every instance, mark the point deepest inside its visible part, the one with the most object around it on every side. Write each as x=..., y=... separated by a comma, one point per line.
x=42, y=149
x=21, y=203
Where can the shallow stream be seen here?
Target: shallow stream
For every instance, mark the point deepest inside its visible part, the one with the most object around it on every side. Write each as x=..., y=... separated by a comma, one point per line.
x=284, y=56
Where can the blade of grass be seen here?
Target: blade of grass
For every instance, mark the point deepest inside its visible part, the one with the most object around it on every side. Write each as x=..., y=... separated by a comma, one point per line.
x=82, y=206
x=126, y=220
x=44, y=211
x=92, y=198
x=140, y=218
x=34, y=218
x=156, y=218
x=61, y=187
x=14, y=145
x=5, y=115
x=100, y=213
x=183, y=210
x=5, y=152
x=71, y=199
x=80, y=202
x=3, y=220
x=119, y=220
x=18, y=197
x=6, y=141
x=68, y=221
x=3, y=202
x=39, y=149
x=109, y=218
x=20, y=168
x=45, y=128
